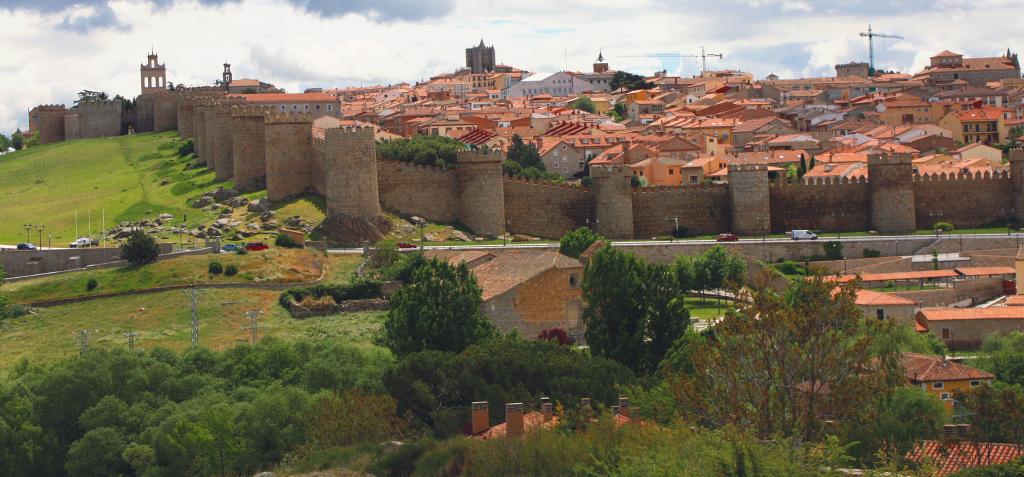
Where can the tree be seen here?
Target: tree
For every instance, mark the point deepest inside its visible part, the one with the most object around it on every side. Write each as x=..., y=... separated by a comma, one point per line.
x=17, y=140
x=784, y=364
x=996, y=413
x=439, y=309
x=140, y=248
x=717, y=269
x=894, y=423
x=526, y=155
x=630, y=81
x=583, y=103
x=577, y=241
x=792, y=173
x=427, y=150
x=803, y=166
x=98, y=453
x=5, y=143
x=634, y=310
x=1004, y=356
x=618, y=112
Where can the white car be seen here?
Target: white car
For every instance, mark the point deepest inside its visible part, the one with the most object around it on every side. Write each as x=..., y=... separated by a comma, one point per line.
x=804, y=235
x=81, y=243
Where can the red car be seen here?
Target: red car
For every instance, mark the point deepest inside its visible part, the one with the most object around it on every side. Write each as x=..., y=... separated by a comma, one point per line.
x=256, y=246
x=727, y=238
x=405, y=245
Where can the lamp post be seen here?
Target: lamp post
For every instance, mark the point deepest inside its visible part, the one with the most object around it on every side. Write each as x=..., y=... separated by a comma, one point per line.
x=40, y=228
x=28, y=231
x=839, y=225
x=675, y=227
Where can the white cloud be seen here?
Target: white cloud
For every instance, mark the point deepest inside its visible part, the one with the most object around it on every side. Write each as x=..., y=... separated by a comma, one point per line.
x=53, y=51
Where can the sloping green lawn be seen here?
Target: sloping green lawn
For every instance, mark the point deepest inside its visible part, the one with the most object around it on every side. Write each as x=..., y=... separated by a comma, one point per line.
x=119, y=177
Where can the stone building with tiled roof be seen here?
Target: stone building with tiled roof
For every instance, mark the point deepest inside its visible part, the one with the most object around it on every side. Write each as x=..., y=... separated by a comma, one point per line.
x=941, y=377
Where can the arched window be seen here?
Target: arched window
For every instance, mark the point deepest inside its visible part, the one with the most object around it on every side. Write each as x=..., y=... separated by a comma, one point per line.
x=145, y=81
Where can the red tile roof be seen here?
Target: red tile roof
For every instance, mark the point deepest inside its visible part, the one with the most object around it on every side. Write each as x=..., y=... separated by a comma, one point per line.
x=873, y=298
x=920, y=275
x=507, y=269
x=985, y=271
x=990, y=313
x=920, y=368
x=531, y=420
x=951, y=457
x=477, y=137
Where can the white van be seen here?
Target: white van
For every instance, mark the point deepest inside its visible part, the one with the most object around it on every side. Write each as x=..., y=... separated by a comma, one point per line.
x=803, y=235
x=81, y=243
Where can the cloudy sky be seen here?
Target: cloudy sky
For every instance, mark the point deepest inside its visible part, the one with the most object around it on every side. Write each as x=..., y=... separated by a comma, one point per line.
x=54, y=48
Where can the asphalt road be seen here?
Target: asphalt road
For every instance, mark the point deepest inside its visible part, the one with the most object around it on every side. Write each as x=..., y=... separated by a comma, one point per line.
x=752, y=240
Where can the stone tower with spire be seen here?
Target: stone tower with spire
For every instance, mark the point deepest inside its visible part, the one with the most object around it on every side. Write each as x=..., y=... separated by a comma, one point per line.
x=153, y=75
x=480, y=58
x=600, y=66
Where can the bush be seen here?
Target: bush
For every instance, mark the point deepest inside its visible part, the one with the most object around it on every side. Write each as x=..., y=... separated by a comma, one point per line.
x=186, y=148
x=215, y=268
x=91, y=284
x=231, y=270
x=242, y=251
x=577, y=241
x=872, y=253
x=943, y=226
x=587, y=181
x=790, y=267
x=357, y=290
x=833, y=250
x=286, y=241
x=140, y=248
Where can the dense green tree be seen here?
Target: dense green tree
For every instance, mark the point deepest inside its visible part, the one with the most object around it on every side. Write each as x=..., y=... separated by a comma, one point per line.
x=894, y=423
x=583, y=103
x=634, y=310
x=618, y=111
x=140, y=248
x=437, y=387
x=575, y=242
x=5, y=143
x=438, y=309
x=1004, y=356
x=995, y=412
x=98, y=453
x=786, y=363
x=716, y=269
x=427, y=150
x=1009, y=469
x=17, y=140
x=630, y=81
x=526, y=155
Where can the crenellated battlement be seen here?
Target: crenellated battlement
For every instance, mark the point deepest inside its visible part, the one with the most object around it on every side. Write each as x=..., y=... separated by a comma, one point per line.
x=681, y=188
x=49, y=107
x=480, y=156
x=545, y=183
x=818, y=181
x=252, y=112
x=748, y=167
x=962, y=176
x=1017, y=154
x=416, y=166
x=289, y=118
x=349, y=133
x=889, y=159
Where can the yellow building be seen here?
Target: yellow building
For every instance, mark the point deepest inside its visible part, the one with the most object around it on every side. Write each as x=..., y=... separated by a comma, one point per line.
x=659, y=171
x=942, y=378
x=984, y=125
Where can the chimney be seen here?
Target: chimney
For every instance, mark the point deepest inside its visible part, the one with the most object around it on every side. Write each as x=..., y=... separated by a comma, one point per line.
x=624, y=406
x=480, y=418
x=514, y=419
x=546, y=408
x=950, y=430
x=963, y=429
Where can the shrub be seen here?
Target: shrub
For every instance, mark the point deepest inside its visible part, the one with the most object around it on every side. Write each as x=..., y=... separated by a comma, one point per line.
x=357, y=290
x=943, y=226
x=790, y=267
x=215, y=268
x=286, y=241
x=242, y=251
x=577, y=241
x=557, y=335
x=140, y=248
x=91, y=284
x=587, y=181
x=833, y=250
x=321, y=304
x=231, y=270
x=872, y=253
x=186, y=148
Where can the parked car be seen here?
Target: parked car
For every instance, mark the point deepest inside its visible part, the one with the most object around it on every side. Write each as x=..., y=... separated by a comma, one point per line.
x=804, y=235
x=26, y=246
x=727, y=238
x=81, y=243
x=256, y=246
x=230, y=247
x=404, y=245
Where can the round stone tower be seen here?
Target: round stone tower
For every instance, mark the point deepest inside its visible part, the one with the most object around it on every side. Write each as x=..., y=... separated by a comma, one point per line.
x=890, y=181
x=481, y=191
x=613, y=201
x=353, y=201
x=748, y=192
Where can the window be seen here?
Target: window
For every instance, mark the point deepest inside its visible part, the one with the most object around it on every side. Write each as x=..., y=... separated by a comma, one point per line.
x=671, y=172
x=944, y=396
x=938, y=385
x=880, y=313
x=572, y=281
x=945, y=333
x=975, y=383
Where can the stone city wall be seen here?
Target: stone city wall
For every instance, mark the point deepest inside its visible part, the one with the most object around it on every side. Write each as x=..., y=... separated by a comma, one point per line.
x=963, y=200
x=825, y=205
x=698, y=209
x=424, y=191
x=545, y=209
x=288, y=147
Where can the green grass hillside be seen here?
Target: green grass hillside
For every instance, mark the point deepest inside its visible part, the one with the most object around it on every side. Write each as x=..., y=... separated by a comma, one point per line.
x=49, y=184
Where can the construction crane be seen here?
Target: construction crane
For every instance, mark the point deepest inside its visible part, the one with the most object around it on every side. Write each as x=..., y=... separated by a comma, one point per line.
x=870, y=35
x=703, y=57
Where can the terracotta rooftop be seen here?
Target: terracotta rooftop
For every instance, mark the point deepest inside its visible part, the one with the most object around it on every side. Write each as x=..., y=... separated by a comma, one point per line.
x=951, y=457
x=500, y=271
x=873, y=298
x=921, y=368
x=990, y=313
x=531, y=420
x=985, y=271
x=286, y=97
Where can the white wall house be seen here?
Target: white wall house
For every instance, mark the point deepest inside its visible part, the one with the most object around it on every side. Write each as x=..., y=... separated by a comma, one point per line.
x=554, y=84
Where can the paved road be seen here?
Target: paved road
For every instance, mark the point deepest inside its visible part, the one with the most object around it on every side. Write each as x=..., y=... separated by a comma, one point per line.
x=647, y=243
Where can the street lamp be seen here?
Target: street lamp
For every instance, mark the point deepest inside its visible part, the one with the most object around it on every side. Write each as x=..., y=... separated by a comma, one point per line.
x=39, y=228
x=675, y=227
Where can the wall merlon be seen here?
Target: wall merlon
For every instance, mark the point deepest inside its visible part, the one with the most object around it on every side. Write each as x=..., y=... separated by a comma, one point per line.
x=480, y=156
x=289, y=118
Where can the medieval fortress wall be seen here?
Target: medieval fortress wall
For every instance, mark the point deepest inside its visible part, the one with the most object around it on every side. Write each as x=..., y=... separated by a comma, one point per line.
x=260, y=148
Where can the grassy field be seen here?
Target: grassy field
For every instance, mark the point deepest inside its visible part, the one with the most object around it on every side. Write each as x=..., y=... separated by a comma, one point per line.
x=164, y=320
x=705, y=309
x=278, y=265
x=119, y=177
